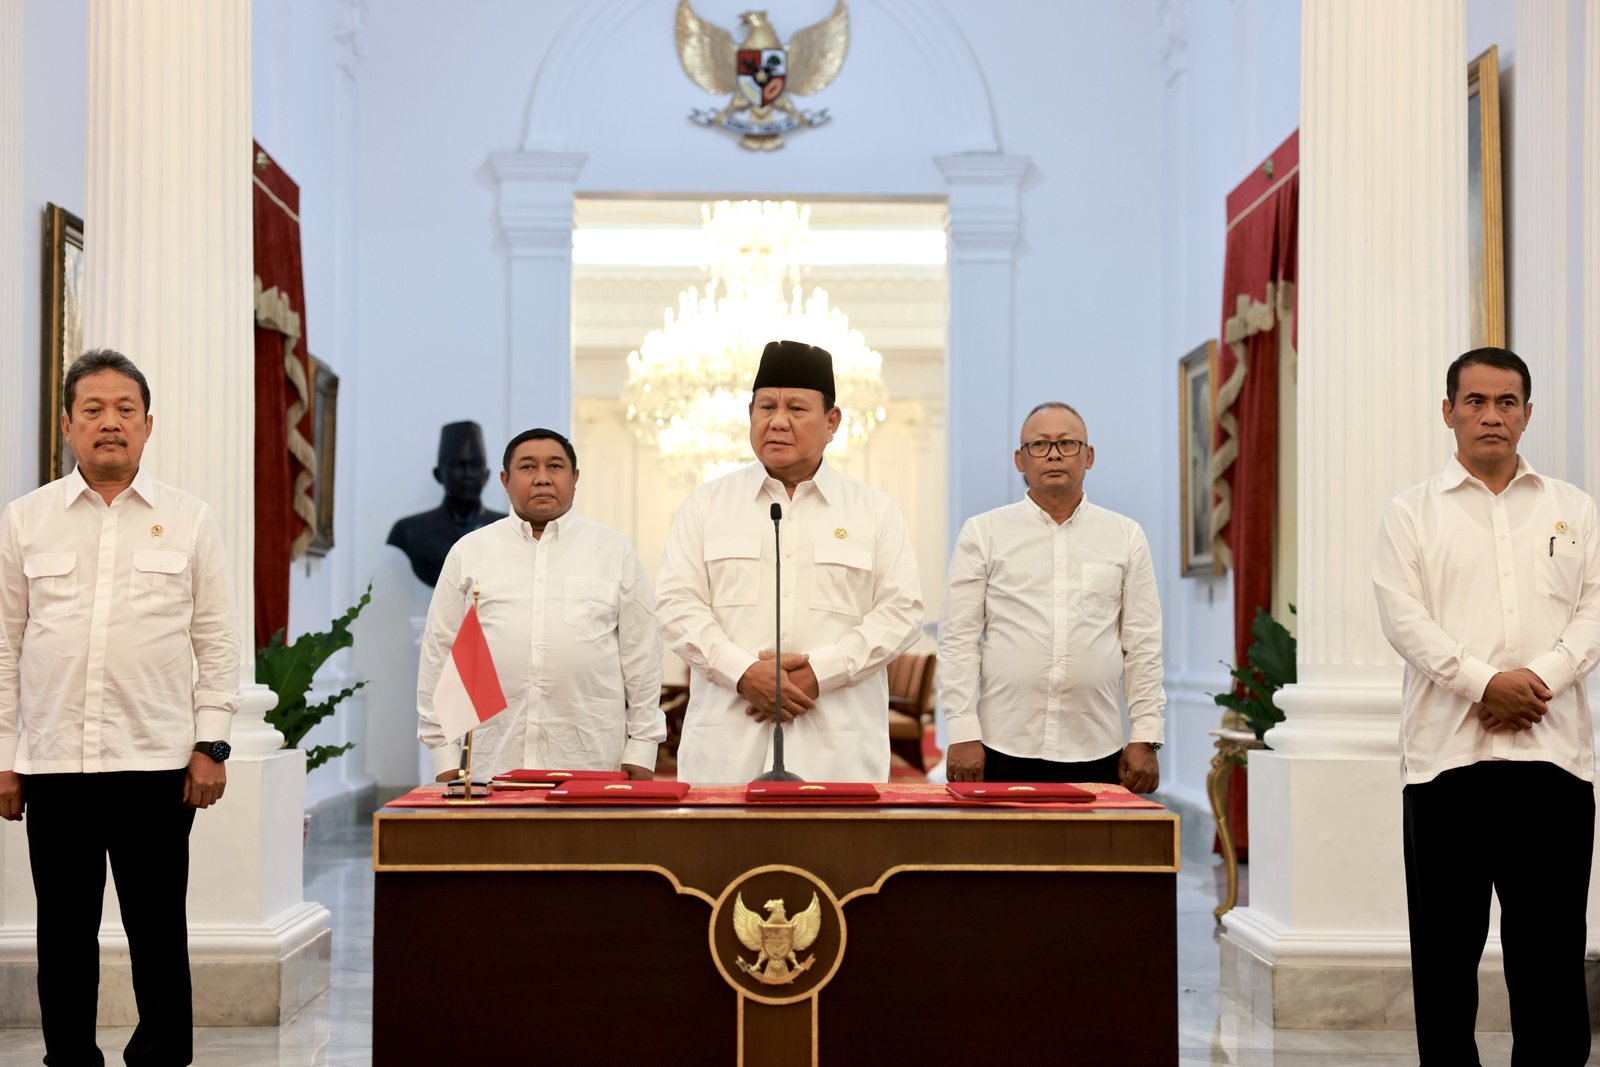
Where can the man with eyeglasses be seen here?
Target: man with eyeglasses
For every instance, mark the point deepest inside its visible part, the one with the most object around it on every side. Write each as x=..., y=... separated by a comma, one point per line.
x=1050, y=620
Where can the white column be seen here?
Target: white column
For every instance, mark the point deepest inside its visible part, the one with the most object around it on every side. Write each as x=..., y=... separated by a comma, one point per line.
x=985, y=227
x=168, y=283
x=13, y=447
x=1382, y=299
x=1538, y=318
x=535, y=216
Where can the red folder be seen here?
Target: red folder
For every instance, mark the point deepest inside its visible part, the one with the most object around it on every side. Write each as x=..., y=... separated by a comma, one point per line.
x=524, y=776
x=810, y=792
x=596, y=792
x=1012, y=792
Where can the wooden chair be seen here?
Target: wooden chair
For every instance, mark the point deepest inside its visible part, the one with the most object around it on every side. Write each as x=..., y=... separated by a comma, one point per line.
x=910, y=704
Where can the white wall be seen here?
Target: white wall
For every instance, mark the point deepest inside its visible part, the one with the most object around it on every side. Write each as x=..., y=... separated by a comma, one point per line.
x=54, y=59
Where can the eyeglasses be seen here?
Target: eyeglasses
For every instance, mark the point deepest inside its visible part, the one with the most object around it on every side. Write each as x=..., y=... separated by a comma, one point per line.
x=1041, y=448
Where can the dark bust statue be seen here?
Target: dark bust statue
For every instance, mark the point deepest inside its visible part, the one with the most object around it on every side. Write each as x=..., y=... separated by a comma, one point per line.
x=463, y=470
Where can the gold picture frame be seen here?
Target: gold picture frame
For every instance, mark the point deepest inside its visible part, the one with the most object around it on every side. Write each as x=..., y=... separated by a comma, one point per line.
x=324, y=442
x=60, y=333
x=1197, y=394
x=1486, y=261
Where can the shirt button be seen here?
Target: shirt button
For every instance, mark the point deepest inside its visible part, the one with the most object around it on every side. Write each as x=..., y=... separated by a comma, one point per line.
x=1505, y=574
x=786, y=592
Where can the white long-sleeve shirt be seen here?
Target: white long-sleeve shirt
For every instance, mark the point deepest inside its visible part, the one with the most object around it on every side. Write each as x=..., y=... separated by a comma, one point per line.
x=851, y=599
x=1471, y=583
x=570, y=622
x=1046, y=627
x=119, y=647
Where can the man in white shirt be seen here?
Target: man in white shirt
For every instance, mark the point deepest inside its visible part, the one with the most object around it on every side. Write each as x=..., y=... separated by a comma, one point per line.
x=119, y=677
x=851, y=599
x=1488, y=585
x=570, y=621
x=1050, y=619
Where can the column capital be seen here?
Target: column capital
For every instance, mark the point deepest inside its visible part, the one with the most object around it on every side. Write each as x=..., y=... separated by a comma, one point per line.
x=535, y=212
x=985, y=203
x=350, y=33
x=1172, y=38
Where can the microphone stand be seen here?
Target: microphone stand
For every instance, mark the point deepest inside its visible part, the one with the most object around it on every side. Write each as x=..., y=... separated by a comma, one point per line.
x=778, y=774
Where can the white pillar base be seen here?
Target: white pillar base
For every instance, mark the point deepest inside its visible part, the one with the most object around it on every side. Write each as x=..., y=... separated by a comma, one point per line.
x=242, y=976
x=258, y=953
x=1344, y=981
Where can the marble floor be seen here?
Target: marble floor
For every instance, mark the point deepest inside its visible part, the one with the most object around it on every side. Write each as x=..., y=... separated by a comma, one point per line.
x=335, y=1030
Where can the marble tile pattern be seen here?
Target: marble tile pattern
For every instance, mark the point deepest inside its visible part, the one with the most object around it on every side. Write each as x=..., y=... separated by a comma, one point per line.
x=335, y=1029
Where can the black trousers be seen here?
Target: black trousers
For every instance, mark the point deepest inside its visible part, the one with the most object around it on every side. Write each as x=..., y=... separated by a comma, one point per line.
x=1526, y=830
x=139, y=820
x=999, y=767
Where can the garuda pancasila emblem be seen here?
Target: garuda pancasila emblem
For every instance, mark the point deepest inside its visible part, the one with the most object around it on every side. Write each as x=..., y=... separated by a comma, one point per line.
x=776, y=940
x=760, y=72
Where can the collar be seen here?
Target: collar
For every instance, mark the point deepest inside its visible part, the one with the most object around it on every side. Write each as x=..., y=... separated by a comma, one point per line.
x=552, y=529
x=825, y=482
x=1045, y=517
x=73, y=486
x=1455, y=475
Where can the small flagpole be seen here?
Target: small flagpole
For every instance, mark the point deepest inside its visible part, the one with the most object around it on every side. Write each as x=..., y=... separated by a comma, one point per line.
x=466, y=785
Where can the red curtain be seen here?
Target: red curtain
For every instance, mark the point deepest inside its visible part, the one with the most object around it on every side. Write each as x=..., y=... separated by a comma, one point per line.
x=1258, y=303
x=1258, y=316
x=285, y=513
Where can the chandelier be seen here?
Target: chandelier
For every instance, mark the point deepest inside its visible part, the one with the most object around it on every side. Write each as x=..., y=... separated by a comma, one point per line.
x=688, y=387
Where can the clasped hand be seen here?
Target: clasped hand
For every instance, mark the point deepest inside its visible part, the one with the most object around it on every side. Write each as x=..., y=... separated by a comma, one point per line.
x=1514, y=700
x=760, y=683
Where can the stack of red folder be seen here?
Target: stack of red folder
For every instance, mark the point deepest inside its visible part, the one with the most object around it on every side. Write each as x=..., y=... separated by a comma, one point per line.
x=1011, y=792
x=811, y=792
x=601, y=792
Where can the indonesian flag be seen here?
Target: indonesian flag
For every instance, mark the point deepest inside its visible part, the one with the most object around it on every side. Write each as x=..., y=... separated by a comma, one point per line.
x=469, y=691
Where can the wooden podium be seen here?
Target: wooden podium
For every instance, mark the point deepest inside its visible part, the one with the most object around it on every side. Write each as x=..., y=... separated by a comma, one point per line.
x=961, y=936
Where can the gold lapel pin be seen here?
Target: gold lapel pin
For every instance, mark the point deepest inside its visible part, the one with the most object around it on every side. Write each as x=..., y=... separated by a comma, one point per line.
x=840, y=532
x=1561, y=526
x=155, y=531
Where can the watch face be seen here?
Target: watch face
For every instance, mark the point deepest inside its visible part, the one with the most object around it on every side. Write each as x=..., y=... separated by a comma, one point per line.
x=221, y=751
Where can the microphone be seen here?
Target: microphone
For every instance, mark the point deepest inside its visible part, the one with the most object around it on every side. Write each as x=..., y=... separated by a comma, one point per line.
x=777, y=774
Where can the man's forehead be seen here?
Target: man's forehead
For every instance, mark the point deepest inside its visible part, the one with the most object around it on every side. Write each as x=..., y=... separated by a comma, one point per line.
x=785, y=394
x=106, y=384
x=1489, y=381
x=539, y=448
x=1056, y=421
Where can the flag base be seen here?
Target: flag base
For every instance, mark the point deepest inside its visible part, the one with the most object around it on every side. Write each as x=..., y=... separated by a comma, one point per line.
x=460, y=790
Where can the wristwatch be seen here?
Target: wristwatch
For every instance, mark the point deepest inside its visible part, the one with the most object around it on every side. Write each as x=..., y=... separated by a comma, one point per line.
x=1155, y=746
x=217, y=750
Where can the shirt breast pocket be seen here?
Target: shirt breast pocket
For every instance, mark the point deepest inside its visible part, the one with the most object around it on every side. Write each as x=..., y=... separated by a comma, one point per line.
x=589, y=606
x=734, y=567
x=1558, y=570
x=52, y=583
x=842, y=579
x=160, y=583
x=1102, y=591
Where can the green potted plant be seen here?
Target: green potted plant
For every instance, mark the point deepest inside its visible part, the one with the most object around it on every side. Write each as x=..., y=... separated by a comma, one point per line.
x=1271, y=666
x=288, y=670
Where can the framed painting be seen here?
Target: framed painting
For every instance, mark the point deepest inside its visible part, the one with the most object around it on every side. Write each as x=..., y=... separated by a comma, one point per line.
x=1486, y=261
x=61, y=331
x=325, y=437
x=1196, y=396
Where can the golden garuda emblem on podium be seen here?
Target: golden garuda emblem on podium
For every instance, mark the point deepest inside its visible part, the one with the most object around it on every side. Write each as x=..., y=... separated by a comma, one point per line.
x=776, y=939
x=761, y=72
